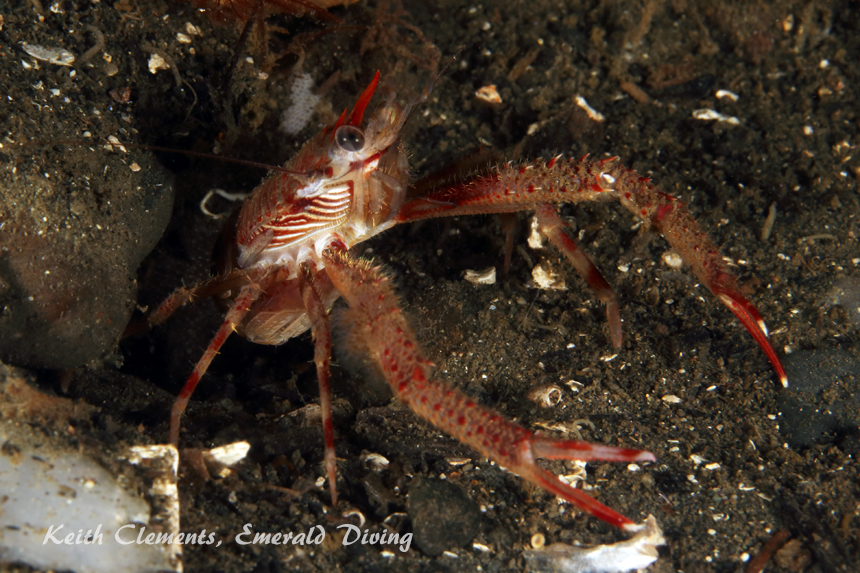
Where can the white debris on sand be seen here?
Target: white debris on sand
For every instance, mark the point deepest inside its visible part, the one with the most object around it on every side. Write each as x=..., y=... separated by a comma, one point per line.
x=638, y=552
x=484, y=277
x=296, y=117
x=64, y=511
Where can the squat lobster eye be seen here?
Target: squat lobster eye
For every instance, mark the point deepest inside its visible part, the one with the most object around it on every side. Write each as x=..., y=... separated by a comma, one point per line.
x=349, y=138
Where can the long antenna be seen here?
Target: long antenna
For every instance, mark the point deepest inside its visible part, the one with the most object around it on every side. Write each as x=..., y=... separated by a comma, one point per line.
x=163, y=149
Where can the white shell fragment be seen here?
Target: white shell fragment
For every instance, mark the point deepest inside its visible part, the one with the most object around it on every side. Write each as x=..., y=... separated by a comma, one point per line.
x=579, y=474
x=219, y=460
x=546, y=396
x=57, y=56
x=49, y=494
x=673, y=260
x=489, y=95
x=727, y=94
x=545, y=277
x=484, y=277
x=713, y=115
x=376, y=462
x=592, y=113
x=229, y=455
x=156, y=63
x=671, y=399
x=638, y=552
x=535, y=240
x=114, y=144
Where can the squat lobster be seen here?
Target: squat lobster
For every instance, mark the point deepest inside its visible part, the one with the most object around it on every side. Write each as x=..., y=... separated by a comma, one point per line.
x=288, y=261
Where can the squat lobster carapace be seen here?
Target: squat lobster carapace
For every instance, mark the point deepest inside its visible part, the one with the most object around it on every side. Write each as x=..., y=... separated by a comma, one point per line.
x=288, y=261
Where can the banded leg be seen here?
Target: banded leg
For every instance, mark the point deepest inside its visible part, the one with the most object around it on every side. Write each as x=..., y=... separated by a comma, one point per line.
x=553, y=228
x=321, y=330
x=237, y=312
x=514, y=187
x=375, y=313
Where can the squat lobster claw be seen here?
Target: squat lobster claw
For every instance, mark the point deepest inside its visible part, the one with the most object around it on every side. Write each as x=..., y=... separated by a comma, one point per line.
x=538, y=185
x=289, y=259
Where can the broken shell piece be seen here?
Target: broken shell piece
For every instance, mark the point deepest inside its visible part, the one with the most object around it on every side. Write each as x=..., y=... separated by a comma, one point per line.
x=57, y=56
x=219, y=460
x=192, y=30
x=156, y=63
x=579, y=475
x=673, y=260
x=638, y=552
x=710, y=115
x=671, y=399
x=51, y=491
x=377, y=462
x=114, y=144
x=727, y=94
x=535, y=239
x=592, y=113
x=546, y=396
x=489, y=95
x=547, y=278
x=484, y=277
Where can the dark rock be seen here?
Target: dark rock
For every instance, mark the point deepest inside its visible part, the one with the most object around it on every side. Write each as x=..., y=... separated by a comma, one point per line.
x=70, y=245
x=76, y=219
x=443, y=516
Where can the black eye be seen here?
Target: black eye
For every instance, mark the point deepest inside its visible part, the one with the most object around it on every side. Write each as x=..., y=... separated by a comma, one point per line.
x=349, y=138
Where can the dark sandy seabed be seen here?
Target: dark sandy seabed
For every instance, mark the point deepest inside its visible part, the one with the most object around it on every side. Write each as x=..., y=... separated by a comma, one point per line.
x=739, y=458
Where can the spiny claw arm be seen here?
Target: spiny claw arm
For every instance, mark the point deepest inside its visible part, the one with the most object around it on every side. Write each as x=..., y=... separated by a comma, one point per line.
x=540, y=446
x=553, y=449
x=750, y=318
x=672, y=218
x=515, y=187
x=377, y=321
